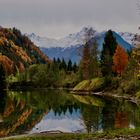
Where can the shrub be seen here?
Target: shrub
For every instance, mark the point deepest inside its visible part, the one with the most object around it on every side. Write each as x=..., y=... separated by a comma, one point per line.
x=138, y=95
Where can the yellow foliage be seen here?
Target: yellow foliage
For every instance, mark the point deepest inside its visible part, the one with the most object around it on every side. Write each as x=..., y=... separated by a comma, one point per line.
x=22, y=118
x=21, y=53
x=9, y=108
x=136, y=56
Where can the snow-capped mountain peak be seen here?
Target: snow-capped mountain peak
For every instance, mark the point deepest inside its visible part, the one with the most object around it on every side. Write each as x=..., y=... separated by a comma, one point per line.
x=68, y=41
x=43, y=42
x=127, y=36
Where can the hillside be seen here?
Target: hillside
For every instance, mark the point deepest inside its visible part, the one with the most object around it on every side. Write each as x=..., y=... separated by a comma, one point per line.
x=17, y=51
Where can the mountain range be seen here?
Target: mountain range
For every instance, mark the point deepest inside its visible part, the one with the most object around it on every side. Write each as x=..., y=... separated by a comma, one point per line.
x=69, y=47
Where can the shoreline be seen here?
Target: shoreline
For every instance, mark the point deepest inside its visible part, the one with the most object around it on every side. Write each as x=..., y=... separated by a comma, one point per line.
x=106, y=94
x=119, y=134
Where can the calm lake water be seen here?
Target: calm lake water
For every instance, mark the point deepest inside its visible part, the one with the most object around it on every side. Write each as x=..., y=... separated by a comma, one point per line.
x=57, y=110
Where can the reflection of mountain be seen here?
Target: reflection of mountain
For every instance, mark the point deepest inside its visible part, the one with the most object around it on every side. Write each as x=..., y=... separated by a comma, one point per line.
x=65, y=122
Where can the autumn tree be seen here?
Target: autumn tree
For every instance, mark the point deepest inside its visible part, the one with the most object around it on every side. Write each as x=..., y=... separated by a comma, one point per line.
x=94, y=65
x=136, y=60
x=85, y=62
x=120, y=60
x=85, y=66
x=2, y=77
x=109, y=47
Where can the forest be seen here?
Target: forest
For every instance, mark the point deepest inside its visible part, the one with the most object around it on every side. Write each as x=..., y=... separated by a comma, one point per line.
x=113, y=69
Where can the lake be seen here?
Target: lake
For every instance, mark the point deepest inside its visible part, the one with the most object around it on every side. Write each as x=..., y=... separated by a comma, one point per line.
x=59, y=111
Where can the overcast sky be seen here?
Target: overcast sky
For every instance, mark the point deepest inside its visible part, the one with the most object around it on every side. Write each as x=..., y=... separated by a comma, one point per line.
x=57, y=18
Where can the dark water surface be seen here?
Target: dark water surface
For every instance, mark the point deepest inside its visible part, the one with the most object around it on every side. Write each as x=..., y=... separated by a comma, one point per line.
x=57, y=110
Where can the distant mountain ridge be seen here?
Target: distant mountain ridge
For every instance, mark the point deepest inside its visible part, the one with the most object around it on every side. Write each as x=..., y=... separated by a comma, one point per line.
x=68, y=41
x=69, y=46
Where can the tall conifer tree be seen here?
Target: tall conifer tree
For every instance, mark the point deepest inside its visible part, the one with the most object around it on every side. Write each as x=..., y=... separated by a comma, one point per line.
x=69, y=67
x=109, y=47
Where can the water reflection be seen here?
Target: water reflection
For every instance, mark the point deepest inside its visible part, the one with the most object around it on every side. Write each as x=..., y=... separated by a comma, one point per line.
x=64, y=123
x=53, y=110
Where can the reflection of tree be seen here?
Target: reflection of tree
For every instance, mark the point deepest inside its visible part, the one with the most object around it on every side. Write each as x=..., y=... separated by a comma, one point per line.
x=120, y=114
x=108, y=113
x=133, y=111
x=3, y=96
x=121, y=120
x=9, y=108
x=22, y=111
x=91, y=118
x=108, y=118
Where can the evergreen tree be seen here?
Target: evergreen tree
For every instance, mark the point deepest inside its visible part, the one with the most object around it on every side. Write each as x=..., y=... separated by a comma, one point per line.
x=58, y=60
x=58, y=63
x=63, y=65
x=69, y=67
x=75, y=67
x=54, y=60
x=109, y=47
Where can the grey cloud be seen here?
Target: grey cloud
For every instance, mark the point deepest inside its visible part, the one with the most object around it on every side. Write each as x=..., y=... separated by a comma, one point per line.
x=60, y=17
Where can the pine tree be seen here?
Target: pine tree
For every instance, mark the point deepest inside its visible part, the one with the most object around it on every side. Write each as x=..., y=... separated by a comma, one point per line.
x=58, y=60
x=109, y=47
x=75, y=67
x=69, y=67
x=58, y=63
x=63, y=65
x=54, y=60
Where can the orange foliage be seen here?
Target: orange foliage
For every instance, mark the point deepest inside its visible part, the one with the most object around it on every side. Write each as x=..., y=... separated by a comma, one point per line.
x=3, y=41
x=7, y=64
x=9, y=108
x=21, y=53
x=22, y=104
x=21, y=120
x=21, y=67
x=120, y=60
x=17, y=51
x=121, y=120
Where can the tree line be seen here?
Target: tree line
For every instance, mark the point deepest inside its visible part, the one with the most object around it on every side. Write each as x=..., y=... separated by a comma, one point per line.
x=113, y=63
